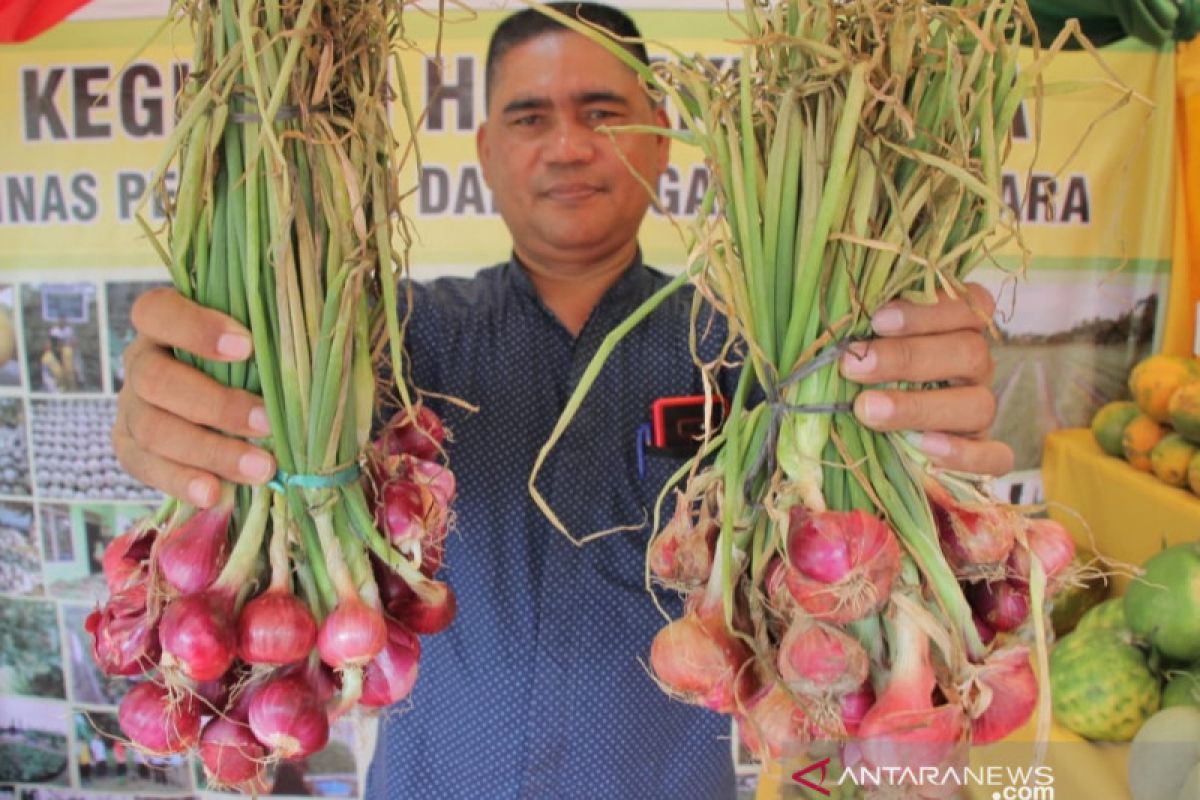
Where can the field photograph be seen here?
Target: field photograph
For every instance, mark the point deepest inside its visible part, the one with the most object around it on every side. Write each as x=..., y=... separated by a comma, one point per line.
x=30, y=652
x=33, y=742
x=1065, y=347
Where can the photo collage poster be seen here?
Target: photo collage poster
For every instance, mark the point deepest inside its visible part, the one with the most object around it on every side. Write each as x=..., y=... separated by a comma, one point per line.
x=81, y=129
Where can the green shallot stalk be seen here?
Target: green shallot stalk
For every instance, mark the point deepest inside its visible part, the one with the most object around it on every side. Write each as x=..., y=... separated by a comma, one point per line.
x=236, y=578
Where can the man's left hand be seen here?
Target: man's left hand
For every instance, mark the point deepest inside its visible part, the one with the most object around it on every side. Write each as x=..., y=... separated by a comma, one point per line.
x=943, y=342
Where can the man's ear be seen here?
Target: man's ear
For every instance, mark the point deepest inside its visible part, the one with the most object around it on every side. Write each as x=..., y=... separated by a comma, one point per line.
x=664, y=142
x=483, y=150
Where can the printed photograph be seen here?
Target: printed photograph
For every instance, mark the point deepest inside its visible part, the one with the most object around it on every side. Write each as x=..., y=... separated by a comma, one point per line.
x=73, y=542
x=30, y=649
x=33, y=742
x=14, y=449
x=103, y=761
x=72, y=452
x=88, y=685
x=62, y=337
x=20, y=562
x=10, y=366
x=119, y=298
x=1066, y=349
x=330, y=773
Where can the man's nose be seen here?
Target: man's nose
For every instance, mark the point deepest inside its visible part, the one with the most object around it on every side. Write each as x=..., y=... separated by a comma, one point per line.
x=570, y=142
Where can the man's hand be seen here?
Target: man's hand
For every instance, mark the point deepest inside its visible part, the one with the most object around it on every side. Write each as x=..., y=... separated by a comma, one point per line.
x=925, y=343
x=175, y=426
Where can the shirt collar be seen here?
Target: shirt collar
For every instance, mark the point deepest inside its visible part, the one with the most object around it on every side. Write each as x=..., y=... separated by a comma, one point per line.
x=627, y=292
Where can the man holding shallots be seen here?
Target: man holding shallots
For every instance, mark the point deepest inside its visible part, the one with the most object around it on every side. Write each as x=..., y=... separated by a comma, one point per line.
x=537, y=689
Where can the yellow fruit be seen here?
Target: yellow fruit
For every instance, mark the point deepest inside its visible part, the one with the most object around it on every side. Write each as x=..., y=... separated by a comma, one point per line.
x=1108, y=423
x=1138, y=440
x=1184, y=411
x=1170, y=458
x=1155, y=379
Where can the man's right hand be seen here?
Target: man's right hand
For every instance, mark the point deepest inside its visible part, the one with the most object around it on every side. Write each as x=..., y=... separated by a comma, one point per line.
x=176, y=428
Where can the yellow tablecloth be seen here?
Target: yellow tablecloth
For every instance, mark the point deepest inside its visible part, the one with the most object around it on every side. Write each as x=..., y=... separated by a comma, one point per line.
x=1126, y=514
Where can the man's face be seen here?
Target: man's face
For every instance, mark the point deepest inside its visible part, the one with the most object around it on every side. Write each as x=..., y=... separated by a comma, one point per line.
x=564, y=190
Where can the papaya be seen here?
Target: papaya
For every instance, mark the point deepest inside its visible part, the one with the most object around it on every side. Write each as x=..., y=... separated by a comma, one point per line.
x=1110, y=421
x=1184, y=411
x=1154, y=380
x=1170, y=458
x=1138, y=440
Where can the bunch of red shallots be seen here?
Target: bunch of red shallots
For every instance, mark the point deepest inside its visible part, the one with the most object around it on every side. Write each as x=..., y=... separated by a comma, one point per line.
x=829, y=637
x=238, y=653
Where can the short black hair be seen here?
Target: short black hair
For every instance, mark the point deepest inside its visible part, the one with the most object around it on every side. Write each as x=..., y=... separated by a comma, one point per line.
x=529, y=23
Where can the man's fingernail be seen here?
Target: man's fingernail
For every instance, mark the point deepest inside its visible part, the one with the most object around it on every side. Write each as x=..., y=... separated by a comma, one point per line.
x=256, y=467
x=259, y=422
x=233, y=345
x=888, y=319
x=859, y=360
x=936, y=444
x=201, y=493
x=877, y=408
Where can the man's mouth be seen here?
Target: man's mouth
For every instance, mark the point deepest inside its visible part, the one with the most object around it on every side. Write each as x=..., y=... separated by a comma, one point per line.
x=571, y=192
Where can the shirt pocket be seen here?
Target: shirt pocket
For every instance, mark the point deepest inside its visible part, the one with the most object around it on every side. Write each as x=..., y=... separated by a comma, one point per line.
x=660, y=468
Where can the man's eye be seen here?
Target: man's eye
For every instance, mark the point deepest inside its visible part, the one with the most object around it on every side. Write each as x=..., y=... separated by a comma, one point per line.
x=526, y=120
x=599, y=115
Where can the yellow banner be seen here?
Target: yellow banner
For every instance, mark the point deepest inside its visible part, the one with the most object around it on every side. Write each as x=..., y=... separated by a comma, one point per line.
x=86, y=111
x=1091, y=178
x=84, y=130
x=85, y=122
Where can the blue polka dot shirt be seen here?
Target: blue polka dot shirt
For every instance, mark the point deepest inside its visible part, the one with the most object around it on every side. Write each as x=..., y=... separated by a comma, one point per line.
x=540, y=688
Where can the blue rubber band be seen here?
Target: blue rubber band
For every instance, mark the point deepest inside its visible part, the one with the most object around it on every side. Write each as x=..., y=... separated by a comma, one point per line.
x=283, y=480
x=822, y=359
